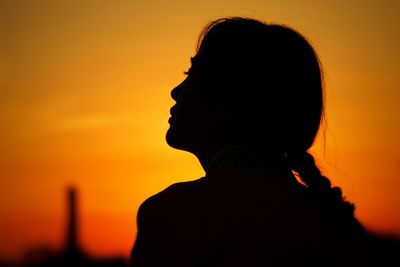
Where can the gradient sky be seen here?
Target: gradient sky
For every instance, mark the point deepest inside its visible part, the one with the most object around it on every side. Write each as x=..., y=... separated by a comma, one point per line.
x=84, y=100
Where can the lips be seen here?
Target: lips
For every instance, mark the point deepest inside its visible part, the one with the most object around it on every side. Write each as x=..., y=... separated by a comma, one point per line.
x=172, y=111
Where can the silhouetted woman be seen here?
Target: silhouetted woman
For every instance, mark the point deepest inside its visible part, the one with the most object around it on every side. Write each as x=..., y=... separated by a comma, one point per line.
x=249, y=110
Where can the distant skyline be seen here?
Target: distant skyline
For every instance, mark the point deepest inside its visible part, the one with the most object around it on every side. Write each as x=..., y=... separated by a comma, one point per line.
x=84, y=100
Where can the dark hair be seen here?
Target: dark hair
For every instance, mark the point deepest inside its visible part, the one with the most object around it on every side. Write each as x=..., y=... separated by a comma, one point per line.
x=273, y=75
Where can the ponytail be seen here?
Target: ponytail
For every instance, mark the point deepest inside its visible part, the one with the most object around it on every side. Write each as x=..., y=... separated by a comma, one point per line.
x=304, y=165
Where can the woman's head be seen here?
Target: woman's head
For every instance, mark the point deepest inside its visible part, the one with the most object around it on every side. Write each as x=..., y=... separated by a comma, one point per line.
x=258, y=84
x=250, y=83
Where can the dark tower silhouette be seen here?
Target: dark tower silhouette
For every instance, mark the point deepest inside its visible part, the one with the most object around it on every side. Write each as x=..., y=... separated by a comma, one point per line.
x=72, y=253
x=71, y=246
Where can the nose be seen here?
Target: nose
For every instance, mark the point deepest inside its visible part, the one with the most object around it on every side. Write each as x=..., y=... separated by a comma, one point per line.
x=176, y=92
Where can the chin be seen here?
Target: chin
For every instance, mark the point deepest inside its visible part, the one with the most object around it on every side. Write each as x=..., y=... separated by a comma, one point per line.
x=170, y=137
x=175, y=141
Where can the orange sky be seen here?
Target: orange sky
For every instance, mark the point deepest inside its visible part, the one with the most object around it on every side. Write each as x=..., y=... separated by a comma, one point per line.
x=84, y=100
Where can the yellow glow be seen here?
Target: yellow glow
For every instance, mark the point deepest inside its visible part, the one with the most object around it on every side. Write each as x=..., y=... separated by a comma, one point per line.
x=84, y=99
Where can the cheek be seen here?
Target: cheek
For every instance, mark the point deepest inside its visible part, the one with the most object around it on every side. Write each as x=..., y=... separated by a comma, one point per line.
x=190, y=119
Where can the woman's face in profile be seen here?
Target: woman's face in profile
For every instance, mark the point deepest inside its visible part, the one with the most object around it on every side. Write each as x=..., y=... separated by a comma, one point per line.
x=195, y=122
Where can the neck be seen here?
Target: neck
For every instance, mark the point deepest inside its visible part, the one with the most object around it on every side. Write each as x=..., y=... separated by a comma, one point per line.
x=206, y=158
x=242, y=153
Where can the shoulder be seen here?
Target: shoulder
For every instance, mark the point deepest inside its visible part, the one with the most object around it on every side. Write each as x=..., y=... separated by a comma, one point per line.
x=171, y=199
x=174, y=192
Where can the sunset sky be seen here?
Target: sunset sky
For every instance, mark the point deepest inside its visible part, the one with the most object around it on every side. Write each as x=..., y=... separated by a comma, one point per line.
x=84, y=101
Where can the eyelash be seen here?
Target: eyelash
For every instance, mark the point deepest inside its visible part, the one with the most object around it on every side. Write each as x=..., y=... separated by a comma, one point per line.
x=188, y=71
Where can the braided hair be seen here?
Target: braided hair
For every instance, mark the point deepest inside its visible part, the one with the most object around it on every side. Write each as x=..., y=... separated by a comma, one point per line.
x=319, y=185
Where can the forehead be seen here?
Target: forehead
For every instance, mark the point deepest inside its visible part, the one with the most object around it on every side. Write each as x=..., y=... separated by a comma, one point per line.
x=204, y=62
x=197, y=68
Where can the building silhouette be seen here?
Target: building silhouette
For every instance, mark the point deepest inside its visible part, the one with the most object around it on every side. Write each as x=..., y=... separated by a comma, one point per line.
x=72, y=254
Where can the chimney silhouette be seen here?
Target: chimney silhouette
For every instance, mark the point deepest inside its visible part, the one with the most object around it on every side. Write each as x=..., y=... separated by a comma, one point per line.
x=72, y=247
